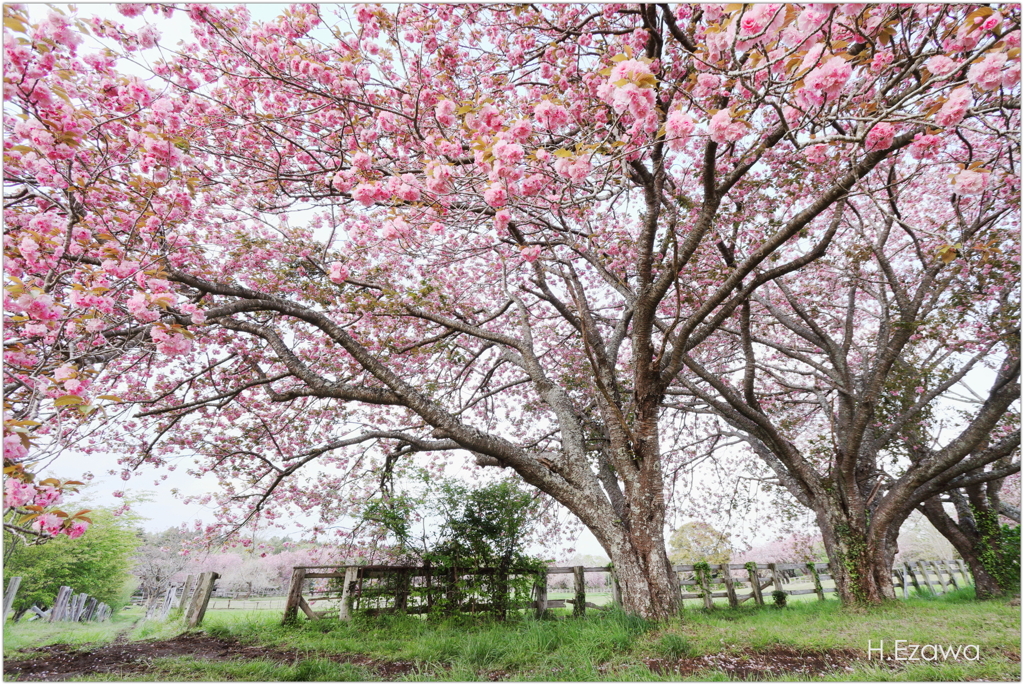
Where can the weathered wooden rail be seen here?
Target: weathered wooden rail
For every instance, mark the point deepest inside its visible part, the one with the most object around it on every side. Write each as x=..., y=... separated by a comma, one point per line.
x=759, y=577
x=67, y=606
x=754, y=578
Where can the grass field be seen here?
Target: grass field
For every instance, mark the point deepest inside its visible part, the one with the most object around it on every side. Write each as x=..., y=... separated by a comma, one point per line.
x=804, y=641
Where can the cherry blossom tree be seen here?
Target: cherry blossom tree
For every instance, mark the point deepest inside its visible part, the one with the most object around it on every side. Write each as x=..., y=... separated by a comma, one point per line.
x=847, y=380
x=322, y=245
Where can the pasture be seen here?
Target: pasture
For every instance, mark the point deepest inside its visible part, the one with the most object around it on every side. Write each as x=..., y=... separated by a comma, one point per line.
x=807, y=640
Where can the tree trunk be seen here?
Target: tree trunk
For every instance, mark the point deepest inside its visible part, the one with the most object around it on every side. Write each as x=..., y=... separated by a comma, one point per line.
x=861, y=563
x=646, y=580
x=965, y=538
x=633, y=537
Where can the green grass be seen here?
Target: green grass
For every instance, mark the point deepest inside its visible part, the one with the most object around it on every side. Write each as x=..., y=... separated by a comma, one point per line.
x=254, y=670
x=130, y=623
x=605, y=646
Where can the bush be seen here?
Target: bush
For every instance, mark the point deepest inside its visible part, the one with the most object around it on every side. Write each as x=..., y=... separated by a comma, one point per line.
x=779, y=597
x=98, y=563
x=484, y=527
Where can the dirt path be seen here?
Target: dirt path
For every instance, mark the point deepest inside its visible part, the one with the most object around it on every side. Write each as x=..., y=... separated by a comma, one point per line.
x=64, y=662
x=123, y=658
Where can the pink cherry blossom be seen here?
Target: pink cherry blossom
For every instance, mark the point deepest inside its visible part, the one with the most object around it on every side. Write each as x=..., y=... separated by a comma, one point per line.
x=955, y=107
x=1011, y=75
x=408, y=193
x=520, y=130
x=988, y=74
x=925, y=146
x=879, y=137
x=970, y=182
x=941, y=65
x=511, y=153
x=502, y=218
x=707, y=84
x=574, y=168
x=230, y=173
x=823, y=83
x=725, y=129
x=815, y=154
x=531, y=253
x=138, y=305
x=362, y=161
x=17, y=493
x=197, y=314
x=14, y=448
x=445, y=112
x=631, y=70
x=47, y=496
x=533, y=184
x=77, y=529
x=490, y=118
x=496, y=195
x=365, y=194
x=170, y=343
x=550, y=116
x=47, y=523
x=39, y=306
x=338, y=272
x=64, y=372
x=678, y=128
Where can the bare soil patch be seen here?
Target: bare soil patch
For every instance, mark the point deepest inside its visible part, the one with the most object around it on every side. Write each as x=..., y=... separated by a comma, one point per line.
x=771, y=662
x=64, y=662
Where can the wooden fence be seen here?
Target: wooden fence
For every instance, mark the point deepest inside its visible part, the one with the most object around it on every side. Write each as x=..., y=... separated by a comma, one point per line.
x=68, y=606
x=739, y=583
x=781, y=577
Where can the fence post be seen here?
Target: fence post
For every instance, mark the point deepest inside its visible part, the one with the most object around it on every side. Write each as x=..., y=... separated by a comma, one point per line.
x=925, y=576
x=12, y=590
x=347, y=598
x=902, y=577
x=75, y=607
x=776, y=576
x=948, y=565
x=913, y=576
x=60, y=604
x=403, y=589
x=617, y=589
x=964, y=571
x=90, y=609
x=704, y=580
x=938, y=573
x=730, y=588
x=197, y=609
x=580, y=607
x=169, y=597
x=755, y=583
x=540, y=587
x=817, y=581
x=291, y=604
x=186, y=592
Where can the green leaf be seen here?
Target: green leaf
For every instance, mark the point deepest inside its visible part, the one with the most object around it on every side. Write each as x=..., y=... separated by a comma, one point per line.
x=68, y=400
